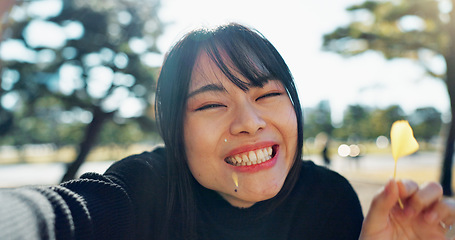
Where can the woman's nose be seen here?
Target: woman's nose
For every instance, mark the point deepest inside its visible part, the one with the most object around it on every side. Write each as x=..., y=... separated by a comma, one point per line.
x=247, y=120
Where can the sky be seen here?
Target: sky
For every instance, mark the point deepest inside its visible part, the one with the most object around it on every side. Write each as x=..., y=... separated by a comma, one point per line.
x=295, y=28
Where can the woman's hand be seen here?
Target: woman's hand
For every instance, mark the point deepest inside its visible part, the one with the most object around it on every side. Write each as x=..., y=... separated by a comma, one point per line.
x=426, y=214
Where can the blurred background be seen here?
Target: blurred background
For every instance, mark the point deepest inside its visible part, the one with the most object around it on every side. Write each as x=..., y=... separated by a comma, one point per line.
x=78, y=81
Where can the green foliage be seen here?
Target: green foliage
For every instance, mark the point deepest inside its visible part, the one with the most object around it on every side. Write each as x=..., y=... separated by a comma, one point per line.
x=318, y=120
x=364, y=124
x=426, y=123
x=57, y=93
x=128, y=133
x=385, y=29
x=355, y=124
x=415, y=29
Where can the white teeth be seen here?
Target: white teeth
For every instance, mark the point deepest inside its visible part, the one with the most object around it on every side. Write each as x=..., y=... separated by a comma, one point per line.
x=260, y=154
x=251, y=157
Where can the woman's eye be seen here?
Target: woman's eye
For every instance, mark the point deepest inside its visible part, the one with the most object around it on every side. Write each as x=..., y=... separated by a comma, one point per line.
x=209, y=106
x=272, y=94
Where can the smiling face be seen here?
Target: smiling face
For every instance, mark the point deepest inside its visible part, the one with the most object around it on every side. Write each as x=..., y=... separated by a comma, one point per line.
x=260, y=127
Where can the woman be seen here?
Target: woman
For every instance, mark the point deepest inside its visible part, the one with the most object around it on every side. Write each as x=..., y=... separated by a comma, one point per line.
x=231, y=168
x=236, y=97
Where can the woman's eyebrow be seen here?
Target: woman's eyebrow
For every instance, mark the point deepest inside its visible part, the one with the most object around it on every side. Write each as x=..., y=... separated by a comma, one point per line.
x=207, y=88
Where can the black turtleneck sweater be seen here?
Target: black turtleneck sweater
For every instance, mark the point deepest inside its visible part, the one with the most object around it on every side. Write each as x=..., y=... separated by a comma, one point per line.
x=128, y=202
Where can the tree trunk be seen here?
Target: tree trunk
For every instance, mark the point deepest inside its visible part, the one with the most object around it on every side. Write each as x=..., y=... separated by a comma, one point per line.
x=447, y=164
x=91, y=133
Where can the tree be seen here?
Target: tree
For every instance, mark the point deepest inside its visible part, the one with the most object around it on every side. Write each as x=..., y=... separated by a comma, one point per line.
x=387, y=30
x=355, y=121
x=381, y=121
x=98, y=68
x=426, y=123
x=318, y=120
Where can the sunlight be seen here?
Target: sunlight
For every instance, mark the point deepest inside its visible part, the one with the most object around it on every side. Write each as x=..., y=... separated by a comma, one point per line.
x=41, y=33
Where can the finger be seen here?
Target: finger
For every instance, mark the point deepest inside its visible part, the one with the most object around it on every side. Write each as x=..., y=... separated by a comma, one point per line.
x=450, y=217
x=446, y=211
x=425, y=197
x=448, y=222
x=407, y=188
x=383, y=202
x=442, y=211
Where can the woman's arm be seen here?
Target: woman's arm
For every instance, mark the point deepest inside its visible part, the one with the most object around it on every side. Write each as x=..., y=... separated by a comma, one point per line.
x=25, y=213
x=88, y=208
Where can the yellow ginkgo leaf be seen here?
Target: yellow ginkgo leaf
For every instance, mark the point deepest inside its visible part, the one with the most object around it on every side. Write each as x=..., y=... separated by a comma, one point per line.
x=402, y=139
x=403, y=143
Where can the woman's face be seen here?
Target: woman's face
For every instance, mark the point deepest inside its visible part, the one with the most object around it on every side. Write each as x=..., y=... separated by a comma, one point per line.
x=250, y=133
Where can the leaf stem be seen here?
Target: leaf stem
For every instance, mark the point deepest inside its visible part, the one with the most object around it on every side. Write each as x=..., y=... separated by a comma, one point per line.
x=394, y=177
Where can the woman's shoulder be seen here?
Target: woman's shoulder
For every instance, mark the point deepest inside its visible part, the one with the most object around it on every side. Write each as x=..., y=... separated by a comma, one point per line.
x=309, y=168
x=324, y=190
x=153, y=160
x=318, y=178
x=140, y=170
x=322, y=202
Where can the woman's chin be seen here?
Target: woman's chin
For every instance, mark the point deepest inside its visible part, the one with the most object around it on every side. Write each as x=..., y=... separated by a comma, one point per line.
x=245, y=196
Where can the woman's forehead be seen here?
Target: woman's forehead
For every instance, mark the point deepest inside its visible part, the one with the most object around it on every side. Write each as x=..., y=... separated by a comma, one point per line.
x=206, y=71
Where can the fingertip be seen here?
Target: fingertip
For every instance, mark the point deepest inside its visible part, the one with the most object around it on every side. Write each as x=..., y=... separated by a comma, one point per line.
x=407, y=187
x=435, y=186
x=382, y=203
x=423, y=198
x=389, y=193
x=390, y=186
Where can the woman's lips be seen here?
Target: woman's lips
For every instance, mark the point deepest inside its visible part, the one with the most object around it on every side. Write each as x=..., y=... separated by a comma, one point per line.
x=250, y=158
x=254, y=160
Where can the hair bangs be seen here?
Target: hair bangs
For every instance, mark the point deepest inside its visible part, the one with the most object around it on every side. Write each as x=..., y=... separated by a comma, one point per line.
x=243, y=55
